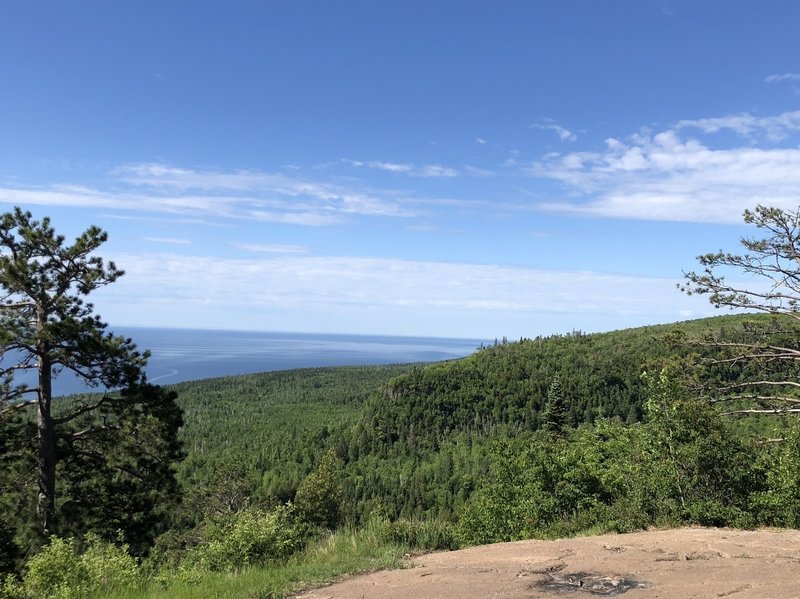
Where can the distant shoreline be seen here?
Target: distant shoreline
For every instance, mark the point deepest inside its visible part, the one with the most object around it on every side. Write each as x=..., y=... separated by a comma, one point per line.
x=179, y=355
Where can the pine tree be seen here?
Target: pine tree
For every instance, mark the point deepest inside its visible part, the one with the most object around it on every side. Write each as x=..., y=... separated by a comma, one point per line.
x=554, y=415
x=47, y=328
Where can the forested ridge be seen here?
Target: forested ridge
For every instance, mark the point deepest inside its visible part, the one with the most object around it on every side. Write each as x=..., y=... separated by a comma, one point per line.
x=414, y=440
x=397, y=423
x=282, y=477
x=460, y=452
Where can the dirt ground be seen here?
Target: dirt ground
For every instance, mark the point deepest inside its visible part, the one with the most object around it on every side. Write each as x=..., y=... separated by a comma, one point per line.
x=665, y=564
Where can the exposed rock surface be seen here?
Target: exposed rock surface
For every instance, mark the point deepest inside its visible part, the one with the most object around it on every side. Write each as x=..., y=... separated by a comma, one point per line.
x=665, y=564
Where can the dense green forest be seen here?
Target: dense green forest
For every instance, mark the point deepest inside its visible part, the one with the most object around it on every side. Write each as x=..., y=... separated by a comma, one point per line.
x=463, y=447
x=413, y=440
x=302, y=475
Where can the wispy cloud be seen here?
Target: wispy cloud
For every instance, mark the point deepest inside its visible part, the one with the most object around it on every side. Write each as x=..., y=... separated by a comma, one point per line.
x=407, y=168
x=392, y=167
x=477, y=171
x=673, y=178
x=774, y=128
x=240, y=194
x=437, y=170
x=262, y=291
x=782, y=78
x=563, y=133
x=271, y=248
x=169, y=240
x=480, y=141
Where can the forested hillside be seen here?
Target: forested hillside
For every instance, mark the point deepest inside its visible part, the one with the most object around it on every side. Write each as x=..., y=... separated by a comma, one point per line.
x=536, y=438
x=269, y=430
x=413, y=440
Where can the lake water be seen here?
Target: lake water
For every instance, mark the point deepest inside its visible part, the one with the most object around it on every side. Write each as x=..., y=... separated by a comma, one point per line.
x=182, y=355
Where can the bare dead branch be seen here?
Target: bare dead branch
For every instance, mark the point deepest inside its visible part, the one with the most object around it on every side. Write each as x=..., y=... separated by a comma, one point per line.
x=19, y=405
x=758, y=398
x=765, y=411
x=758, y=383
x=84, y=409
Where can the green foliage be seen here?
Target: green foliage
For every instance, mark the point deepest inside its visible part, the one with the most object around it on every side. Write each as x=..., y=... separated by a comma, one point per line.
x=427, y=535
x=554, y=414
x=9, y=550
x=683, y=466
x=47, y=327
x=348, y=551
x=503, y=389
x=319, y=496
x=270, y=428
x=60, y=571
x=122, y=478
x=710, y=471
x=779, y=503
x=116, y=469
x=467, y=442
x=539, y=487
x=11, y=588
x=251, y=537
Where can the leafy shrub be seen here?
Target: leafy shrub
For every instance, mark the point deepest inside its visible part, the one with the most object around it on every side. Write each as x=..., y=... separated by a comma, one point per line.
x=779, y=503
x=109, y=566
x=59, y=571
x=252, y=537
x=11, y=588
x=319, y=496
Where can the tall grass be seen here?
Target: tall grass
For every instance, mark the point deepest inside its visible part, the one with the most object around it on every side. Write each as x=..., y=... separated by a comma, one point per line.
x=345, y=552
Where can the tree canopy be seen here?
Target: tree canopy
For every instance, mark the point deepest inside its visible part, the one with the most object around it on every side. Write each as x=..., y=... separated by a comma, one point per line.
x=47, y=328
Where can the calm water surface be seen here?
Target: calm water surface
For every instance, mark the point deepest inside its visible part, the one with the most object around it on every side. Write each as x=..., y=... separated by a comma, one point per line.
x=182, y=355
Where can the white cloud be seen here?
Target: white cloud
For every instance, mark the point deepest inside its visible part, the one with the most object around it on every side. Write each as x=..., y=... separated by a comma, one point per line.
x=782, y=78
x=218, y=194
x=325, y=289
x=669, y=177
x=407, y=168
x=169, y=240
x=437, y=170
x=392, y=167
x=775, y=128
x=480, y=141
x=563, y=133
x=271, y=248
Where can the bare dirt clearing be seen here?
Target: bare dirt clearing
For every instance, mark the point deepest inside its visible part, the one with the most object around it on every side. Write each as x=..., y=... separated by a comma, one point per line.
x=674, y=564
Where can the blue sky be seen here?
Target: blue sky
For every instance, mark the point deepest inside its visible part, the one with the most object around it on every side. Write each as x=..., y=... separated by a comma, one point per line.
x=468, y=169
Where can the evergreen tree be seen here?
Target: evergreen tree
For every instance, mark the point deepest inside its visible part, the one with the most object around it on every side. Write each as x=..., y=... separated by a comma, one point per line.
x=47, y=328
x=761, y=357
x=9, y=552
x=554, y=415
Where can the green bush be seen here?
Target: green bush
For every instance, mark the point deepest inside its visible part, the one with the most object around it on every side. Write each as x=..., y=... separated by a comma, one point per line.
x=59, y=571
x=11, y=588
x=319, y=496
x=252, y=537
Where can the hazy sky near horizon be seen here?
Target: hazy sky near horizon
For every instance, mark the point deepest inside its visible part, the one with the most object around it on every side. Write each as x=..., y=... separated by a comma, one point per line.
x=437, y=168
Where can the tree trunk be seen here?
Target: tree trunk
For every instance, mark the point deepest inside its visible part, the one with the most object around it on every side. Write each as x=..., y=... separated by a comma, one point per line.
x=46, y=500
